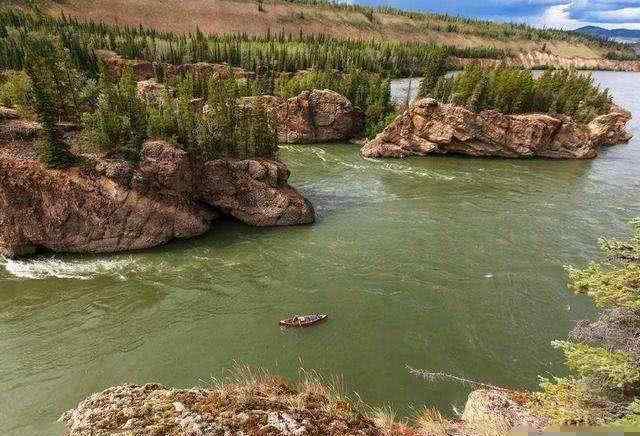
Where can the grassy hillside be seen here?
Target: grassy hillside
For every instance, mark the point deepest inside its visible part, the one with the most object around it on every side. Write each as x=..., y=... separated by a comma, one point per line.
x=255, y=17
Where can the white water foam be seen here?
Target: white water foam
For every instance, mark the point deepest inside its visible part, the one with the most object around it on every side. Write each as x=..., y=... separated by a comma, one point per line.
x=51, y=267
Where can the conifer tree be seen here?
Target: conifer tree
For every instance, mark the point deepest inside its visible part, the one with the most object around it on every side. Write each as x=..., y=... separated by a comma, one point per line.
x=436, y=66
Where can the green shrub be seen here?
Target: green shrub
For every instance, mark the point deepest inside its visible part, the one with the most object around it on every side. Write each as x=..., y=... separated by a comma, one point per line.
x=614, y=369
x=436, y=66
x=571, y=402
x=119, y=122
x=16, y=91
x=617, y=286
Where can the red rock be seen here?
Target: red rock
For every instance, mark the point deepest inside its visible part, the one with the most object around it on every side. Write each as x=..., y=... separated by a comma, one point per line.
x=313, y=116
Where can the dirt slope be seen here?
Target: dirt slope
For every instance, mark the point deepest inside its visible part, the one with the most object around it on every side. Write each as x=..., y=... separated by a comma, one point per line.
x=244, y=16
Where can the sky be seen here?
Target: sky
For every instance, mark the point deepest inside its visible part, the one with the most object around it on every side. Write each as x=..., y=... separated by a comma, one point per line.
x=565, y=14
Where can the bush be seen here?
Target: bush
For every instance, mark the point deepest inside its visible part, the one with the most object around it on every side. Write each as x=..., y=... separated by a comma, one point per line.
x=436, y=66
x=605, y=353
x=567, y=401
x=119, y=123
x=608, y=287
x=611, y=369
x=16, y=91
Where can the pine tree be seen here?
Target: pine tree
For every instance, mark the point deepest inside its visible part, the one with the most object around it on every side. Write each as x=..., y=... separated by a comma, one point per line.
x=40, y=64
x=436, y=66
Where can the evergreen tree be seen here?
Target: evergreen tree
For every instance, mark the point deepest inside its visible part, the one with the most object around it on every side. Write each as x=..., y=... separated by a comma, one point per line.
x=436, y=65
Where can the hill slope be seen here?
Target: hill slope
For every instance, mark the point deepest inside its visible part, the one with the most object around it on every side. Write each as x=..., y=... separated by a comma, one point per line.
x=611, y=34
x=319, y=17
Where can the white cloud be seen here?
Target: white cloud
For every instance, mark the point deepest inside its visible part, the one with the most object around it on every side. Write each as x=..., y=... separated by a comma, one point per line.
x=578, y=13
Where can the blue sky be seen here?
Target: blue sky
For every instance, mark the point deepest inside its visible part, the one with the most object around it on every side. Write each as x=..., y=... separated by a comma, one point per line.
x=568, y=14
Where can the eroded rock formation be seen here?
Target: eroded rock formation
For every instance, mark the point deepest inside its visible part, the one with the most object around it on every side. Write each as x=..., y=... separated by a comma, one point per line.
x=109, y=206
x=429, y=127
x=497, y=411
x=313, y=116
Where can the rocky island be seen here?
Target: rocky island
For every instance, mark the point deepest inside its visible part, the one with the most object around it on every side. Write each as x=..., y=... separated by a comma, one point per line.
x=430, y=127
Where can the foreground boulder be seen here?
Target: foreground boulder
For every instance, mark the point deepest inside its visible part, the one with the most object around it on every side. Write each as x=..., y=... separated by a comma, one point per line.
x=109, y=205
x=429, y=127
x=312, y=117
x=265, y=407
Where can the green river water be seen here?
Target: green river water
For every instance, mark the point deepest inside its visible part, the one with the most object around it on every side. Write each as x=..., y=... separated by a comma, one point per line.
x=444, y=263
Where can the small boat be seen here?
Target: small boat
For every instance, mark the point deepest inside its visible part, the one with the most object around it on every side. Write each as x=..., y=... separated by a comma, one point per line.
x=303, y=321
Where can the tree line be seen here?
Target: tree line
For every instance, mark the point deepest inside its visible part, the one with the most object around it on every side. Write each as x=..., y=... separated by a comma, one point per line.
x=282, y=52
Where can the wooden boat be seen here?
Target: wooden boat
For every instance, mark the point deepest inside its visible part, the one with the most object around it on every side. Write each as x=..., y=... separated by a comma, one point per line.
x=303, y=321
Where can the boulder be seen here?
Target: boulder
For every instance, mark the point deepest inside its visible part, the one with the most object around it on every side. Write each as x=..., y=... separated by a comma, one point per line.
x=429, y=127
x=108, y=205
x=312, y=117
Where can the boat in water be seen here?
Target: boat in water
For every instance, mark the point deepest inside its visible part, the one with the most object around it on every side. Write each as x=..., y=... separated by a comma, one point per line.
x=303, y=321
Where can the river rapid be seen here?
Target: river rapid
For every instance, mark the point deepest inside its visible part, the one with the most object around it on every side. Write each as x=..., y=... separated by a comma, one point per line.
x=442, y=263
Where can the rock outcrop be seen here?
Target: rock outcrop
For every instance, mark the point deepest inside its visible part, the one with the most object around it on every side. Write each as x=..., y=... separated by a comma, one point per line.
x=268, y=407
x=429, y=127
x=144, y=70
x=312, y=117
x=110, y=206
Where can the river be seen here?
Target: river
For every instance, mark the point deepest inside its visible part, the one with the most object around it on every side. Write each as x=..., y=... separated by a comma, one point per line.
x=442, y=263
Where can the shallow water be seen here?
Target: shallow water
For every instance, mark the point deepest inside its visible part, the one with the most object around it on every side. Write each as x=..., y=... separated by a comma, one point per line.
x=443, y=263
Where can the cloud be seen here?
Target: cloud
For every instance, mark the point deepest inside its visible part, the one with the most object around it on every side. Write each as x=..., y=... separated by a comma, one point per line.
x=577, y=13
x=567, y=14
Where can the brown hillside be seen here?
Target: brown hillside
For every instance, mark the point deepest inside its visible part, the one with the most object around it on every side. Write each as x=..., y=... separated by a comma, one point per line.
x=244, y=16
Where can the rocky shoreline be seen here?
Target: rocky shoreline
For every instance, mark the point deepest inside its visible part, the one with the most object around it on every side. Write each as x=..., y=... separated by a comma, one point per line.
x=273, y=406
x=429, y=127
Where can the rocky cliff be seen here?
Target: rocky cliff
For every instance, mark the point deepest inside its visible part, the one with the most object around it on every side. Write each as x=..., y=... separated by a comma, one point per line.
x=429, y=127
x=109, y=205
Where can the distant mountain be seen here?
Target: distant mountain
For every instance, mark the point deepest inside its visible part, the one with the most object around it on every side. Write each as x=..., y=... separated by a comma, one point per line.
x=622, y=35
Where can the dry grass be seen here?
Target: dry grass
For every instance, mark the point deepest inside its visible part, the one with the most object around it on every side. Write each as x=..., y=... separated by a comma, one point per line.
x=238, y=16
x=430, y=422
